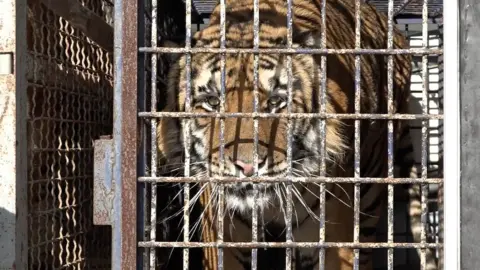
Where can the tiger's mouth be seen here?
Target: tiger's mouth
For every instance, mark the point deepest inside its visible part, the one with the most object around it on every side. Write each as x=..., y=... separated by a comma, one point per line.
x=242, y=197
x=244, y=190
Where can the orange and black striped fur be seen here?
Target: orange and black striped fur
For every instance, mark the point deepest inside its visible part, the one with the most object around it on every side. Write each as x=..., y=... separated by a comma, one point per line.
x=272, y=136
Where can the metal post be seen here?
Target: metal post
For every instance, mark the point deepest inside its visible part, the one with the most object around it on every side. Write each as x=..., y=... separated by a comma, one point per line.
x=469, y=83
x=13, y=146
x=124, y=239
x=451, y=136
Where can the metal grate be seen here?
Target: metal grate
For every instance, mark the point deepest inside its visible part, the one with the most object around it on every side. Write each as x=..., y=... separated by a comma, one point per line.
x=155, y=183
x=70, y=103
x=408, y=8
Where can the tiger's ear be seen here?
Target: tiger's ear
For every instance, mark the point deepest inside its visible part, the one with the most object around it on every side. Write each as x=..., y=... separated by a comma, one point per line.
x=171, y=57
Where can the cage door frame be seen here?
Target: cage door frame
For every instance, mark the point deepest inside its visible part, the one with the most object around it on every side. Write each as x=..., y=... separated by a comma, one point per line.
x=451, y=137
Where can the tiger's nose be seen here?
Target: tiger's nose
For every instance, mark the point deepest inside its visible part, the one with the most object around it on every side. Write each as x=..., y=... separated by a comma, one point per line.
x=246, y=167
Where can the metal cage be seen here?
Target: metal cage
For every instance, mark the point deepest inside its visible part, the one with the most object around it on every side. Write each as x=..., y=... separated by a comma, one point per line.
x=89, y=91
x=422, y=23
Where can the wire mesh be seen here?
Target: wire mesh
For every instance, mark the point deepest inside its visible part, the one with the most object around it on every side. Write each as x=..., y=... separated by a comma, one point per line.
x=429, y=127
x=69, y=106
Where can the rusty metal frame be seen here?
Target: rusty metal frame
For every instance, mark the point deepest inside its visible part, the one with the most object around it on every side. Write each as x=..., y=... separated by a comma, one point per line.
x=13, y=146
x=153, y=115
x=124, y=230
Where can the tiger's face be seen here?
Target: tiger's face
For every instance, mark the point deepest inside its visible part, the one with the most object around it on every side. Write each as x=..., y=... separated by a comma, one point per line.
x=238, y=137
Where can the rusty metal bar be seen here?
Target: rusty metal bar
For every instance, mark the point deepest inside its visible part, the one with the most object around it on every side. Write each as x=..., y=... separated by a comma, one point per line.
x=143, y=209
x=256, y=42
x=293, y=51
x=124, y=236
x=356, y=189
x=294, y=115
x=187, y=132
x=293, y=179
x=153, y=137
x=361, y=245
x=323, y=135
x=390, y=191
x=221, y=188
x=424, y=152
x=288, y=220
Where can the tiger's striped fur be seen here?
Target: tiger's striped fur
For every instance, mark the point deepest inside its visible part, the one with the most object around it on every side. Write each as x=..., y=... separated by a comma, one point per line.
x=239, y=135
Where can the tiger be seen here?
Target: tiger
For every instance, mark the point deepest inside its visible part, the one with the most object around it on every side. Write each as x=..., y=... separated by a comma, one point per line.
x=236, y=158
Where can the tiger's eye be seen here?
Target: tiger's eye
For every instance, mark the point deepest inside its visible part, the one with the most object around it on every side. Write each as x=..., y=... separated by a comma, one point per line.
x=213, y=101
x=275, y=100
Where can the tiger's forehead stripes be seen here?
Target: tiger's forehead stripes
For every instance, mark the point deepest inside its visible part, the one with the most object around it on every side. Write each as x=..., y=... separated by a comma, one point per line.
x=239, y=73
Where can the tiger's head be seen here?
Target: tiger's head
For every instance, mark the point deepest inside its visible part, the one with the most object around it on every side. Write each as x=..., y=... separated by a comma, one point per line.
x=239, y=137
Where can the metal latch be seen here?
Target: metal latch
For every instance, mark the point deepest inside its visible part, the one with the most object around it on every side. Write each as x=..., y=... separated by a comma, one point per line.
x=103, y=185
x=6, y=63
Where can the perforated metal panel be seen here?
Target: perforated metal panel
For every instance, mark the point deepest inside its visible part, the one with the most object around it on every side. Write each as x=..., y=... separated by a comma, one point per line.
x=70, y=103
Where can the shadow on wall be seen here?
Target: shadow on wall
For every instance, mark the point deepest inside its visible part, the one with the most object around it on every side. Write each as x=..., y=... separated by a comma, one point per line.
x=7, y=239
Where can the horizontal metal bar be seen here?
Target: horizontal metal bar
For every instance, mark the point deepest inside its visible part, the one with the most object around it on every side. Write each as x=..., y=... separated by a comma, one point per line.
x=402, y=7
x=152, y=244
x=292, y=115
x=419, y=51
x=276, y=179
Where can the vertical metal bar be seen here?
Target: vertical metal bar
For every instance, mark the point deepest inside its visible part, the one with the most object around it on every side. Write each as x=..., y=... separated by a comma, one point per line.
x=425, y=87
x=440, y=190
x=323, y=134
x=13, y=146
x=124, y=240
x=256, y=41
x=153, y=108
x=289, y=252
x=390, y=136
x=142, y=214
x=221, y=193
x=356, y=192
x=452, y=199
x=187, y=132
